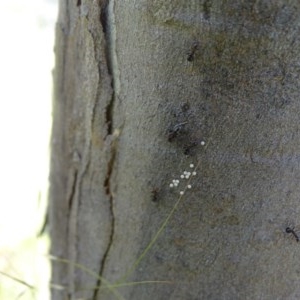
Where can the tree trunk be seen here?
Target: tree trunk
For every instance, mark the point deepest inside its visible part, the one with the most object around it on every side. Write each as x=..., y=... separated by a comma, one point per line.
x=145, y=90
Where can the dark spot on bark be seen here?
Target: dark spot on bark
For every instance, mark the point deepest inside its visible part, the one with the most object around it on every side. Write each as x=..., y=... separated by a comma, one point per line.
x=191, y=54
x=206, y=9
x=291, y=230
x=104, y=15
x=187, y=150
x=185, y=107
x=174, y=131
x=154, y=195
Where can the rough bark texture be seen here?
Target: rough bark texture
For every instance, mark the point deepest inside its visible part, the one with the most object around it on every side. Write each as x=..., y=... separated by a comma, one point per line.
x=128, y=73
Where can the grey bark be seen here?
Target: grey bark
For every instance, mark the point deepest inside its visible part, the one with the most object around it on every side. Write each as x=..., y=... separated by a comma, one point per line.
x=138, y=86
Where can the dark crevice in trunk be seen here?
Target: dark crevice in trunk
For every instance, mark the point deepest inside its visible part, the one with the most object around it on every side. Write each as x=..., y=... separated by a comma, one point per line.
x=112, y=232
x=104, y=20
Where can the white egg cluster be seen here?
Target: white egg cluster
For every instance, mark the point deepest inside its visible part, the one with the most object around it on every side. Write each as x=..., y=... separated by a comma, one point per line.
x=185, y=176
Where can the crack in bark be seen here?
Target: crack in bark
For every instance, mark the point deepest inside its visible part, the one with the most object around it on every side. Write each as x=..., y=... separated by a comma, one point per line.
x=72, y=192
x=108, y=192
x=109, y=172
x=109, y=115
x=104, y=20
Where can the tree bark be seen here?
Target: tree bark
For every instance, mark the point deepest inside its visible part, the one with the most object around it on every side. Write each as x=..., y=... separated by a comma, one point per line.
x=146, y=89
